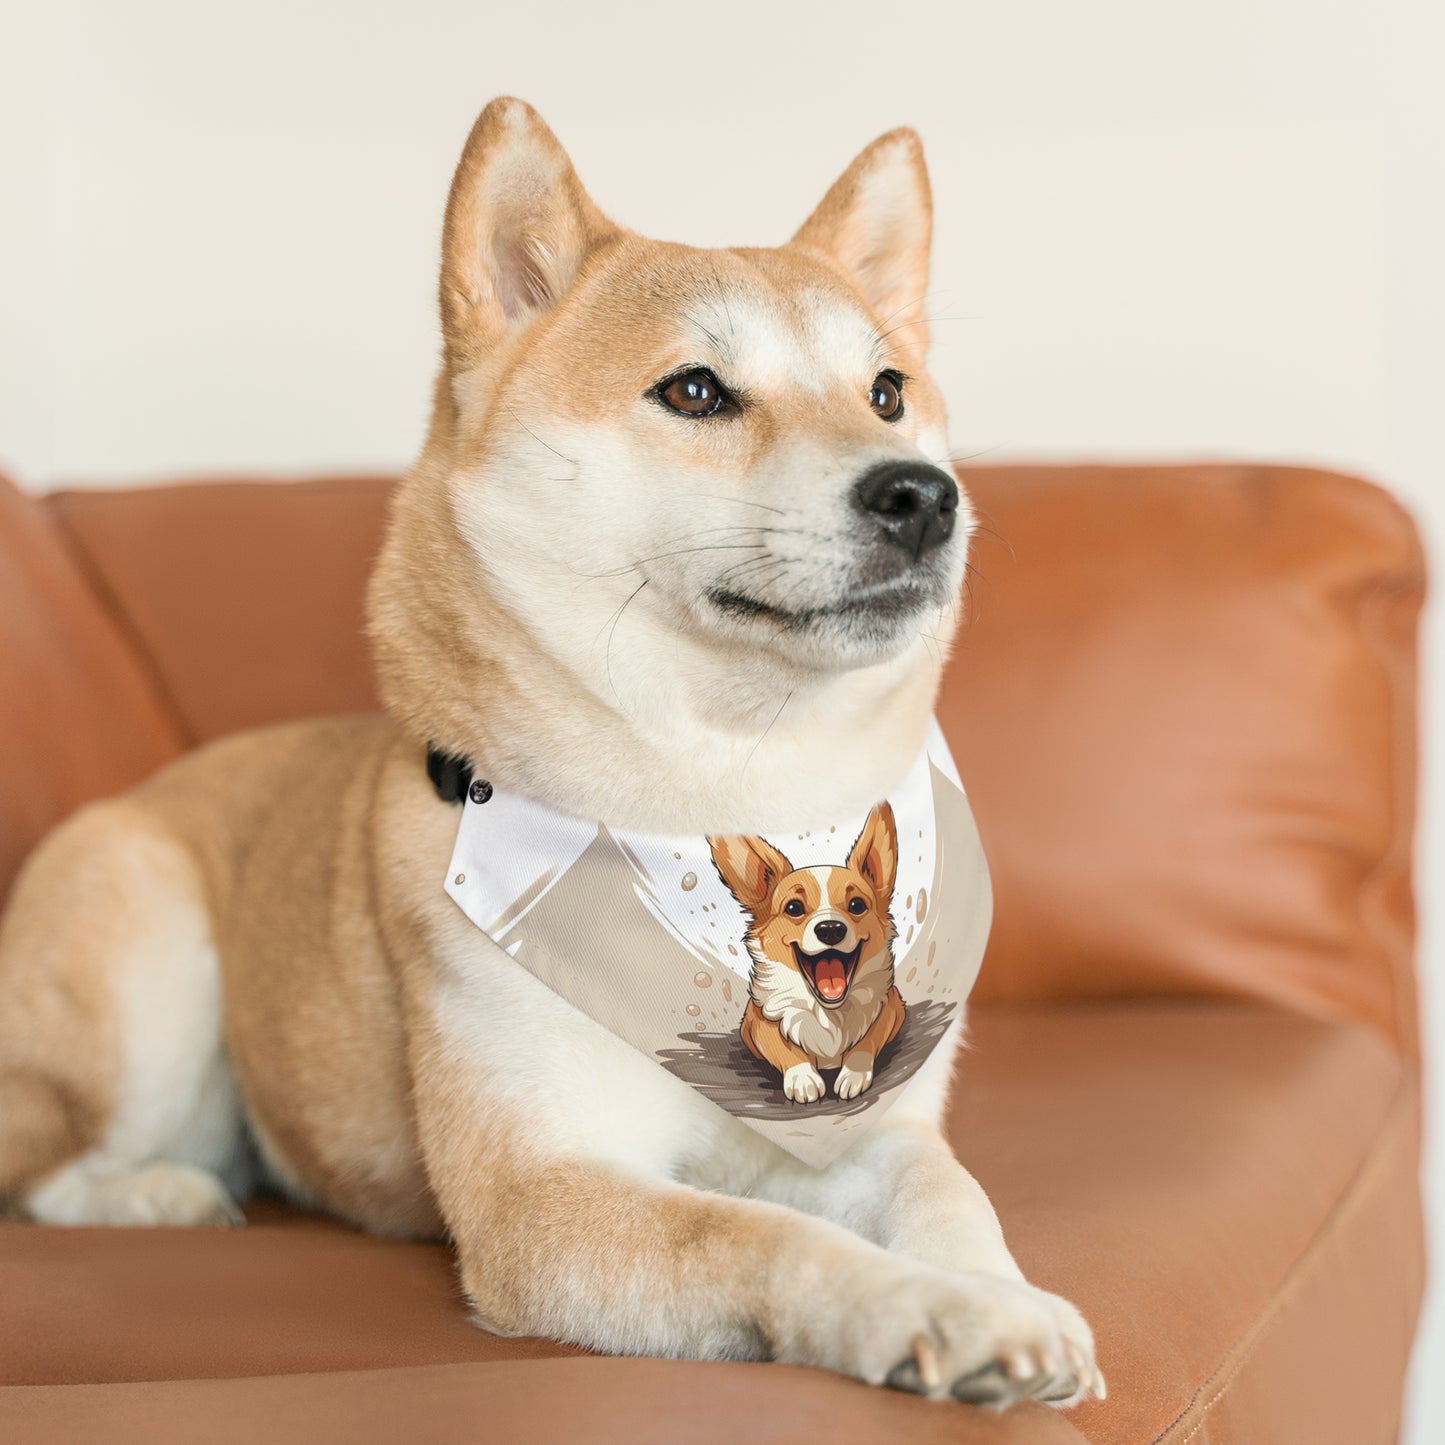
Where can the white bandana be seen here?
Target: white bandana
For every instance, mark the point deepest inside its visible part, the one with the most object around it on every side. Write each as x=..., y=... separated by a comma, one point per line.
x=665, y=940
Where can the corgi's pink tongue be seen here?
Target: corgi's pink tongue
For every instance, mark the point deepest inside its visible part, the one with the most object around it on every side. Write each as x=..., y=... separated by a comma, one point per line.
x=830, y=978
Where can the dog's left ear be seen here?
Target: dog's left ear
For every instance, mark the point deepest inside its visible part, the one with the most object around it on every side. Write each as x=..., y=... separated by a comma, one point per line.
x=877, y=223
x=875, y=854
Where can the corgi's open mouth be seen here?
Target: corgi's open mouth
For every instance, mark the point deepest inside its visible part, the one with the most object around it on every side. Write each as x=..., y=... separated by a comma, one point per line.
x=829, y=974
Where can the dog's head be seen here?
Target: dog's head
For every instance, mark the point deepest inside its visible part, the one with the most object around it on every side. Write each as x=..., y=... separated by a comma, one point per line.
x=830, y=923
x=682, y=482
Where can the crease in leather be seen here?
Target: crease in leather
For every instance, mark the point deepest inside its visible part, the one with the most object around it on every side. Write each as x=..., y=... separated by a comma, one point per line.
x=1239, y=1355
x=125, y=625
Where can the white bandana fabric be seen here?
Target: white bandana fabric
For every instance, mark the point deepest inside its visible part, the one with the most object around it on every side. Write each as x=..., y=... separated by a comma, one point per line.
x=795, y=980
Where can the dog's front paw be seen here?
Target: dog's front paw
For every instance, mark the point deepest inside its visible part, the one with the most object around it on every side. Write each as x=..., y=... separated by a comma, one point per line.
x=803, y=1084
x=981, y=1339
x=855, y=1075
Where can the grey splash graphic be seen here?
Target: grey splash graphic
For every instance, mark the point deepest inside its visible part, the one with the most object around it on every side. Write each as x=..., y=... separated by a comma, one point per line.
x=720, y=1068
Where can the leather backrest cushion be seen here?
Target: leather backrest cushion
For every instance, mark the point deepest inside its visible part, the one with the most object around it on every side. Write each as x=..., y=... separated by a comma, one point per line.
x=1182, y=704
x=79, y=716
x=1184, y=712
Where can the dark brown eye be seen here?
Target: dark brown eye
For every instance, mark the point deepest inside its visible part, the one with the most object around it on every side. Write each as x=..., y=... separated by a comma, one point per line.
x=886, y=398
x=857, y=905
x=694, y=393
x=793, y=908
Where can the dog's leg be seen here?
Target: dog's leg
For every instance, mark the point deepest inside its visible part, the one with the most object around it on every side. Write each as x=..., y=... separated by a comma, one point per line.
x=588, y=1252
x=857, y=1072
x=116, y=1105
x=555, y=1150
x=901, y=1188
x=802, y=1083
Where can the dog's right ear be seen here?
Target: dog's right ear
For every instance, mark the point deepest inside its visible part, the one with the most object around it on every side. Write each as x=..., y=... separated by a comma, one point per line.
x=875, y=853
x=518, y=227
x=877, y=223
x=750, y=867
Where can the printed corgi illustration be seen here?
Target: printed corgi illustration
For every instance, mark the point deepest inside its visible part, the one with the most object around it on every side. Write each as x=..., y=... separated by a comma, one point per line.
x=821, y=942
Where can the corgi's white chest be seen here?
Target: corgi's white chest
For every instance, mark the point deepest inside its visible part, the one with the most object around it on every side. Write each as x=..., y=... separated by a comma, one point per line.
x=826, y=1033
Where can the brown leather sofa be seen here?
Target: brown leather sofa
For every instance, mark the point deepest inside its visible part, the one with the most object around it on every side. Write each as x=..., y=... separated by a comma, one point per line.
x=1185, y=711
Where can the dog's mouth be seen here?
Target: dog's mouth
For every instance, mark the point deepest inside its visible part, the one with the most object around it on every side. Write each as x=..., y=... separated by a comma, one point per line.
x=828, y=974
x=881, y=604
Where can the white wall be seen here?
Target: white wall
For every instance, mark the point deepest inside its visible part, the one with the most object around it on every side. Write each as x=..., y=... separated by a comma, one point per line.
x=1164, y=229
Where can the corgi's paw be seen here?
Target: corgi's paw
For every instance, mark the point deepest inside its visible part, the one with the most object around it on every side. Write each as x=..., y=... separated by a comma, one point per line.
x=855, y=1076
x=979, y=1338
x=803, y=1084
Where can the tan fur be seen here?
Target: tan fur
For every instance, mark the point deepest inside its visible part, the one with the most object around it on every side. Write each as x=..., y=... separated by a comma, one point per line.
x=260, y=931
x=881, y=1032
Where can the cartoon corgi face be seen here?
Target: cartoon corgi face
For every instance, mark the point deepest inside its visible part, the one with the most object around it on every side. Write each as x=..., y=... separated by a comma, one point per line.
x=827, y=923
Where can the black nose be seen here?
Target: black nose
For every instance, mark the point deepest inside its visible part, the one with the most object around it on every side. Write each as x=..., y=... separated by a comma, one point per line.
x=830, y=932
x=915, y=504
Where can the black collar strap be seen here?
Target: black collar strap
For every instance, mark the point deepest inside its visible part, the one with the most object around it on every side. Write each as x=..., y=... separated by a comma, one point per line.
x=450, y=775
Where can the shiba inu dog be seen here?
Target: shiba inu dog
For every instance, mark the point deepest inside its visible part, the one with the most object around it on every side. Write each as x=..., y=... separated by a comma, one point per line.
x=677, y=555
x=821, y=942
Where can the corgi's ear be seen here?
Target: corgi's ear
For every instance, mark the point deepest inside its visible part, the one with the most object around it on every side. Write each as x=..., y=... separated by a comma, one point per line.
x=518, y=227
x=875, y=854
x=877, y=223
x=750, y=867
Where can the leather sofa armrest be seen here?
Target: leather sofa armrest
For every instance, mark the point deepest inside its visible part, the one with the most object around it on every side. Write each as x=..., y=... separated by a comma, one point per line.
x=79, y=715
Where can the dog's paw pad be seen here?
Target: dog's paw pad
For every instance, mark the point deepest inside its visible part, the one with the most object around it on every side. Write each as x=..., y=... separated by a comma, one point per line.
x=988, y=1386
x=905, y=1376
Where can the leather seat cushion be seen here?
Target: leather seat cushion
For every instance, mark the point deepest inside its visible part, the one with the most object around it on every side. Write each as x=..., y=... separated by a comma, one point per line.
x=1225, y=1190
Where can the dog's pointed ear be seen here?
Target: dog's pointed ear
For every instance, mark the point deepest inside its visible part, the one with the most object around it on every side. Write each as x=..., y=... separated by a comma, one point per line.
x=875, y=854
x=877, y=224
x=750, y=867
x=518, y=228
